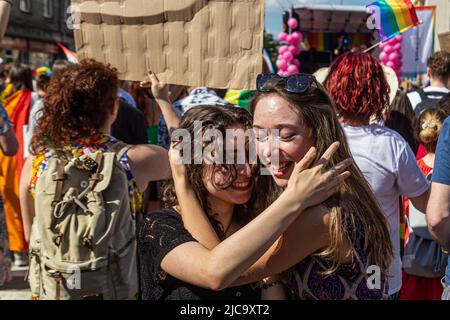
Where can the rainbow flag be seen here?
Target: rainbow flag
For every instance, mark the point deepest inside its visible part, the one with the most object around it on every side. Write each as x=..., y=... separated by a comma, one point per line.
x=42, y=70
x=240, y=98
x=71, y=56
x=393, y=17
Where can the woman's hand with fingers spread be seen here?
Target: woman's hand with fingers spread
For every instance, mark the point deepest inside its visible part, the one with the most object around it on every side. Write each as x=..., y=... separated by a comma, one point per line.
x=310, y=187
x=159, y=90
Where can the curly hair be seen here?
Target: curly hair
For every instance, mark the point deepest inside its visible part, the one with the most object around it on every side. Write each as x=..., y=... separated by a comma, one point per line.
x=77, y=103
x=358, y=86
x=439, y=64
x=211, y=118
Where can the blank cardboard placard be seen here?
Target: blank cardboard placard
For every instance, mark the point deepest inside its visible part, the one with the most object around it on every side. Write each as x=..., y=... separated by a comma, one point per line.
x=213, y=43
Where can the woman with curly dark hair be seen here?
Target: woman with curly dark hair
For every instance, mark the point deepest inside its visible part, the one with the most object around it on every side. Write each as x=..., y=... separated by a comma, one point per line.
x=80, y=106
x=357, y=84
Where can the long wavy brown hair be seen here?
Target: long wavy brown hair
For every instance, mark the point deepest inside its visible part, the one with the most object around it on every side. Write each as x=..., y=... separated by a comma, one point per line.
x=355, y=204
x=77, y=103
x=212, y=118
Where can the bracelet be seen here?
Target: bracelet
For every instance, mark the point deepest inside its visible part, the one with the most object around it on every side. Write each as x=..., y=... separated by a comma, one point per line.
x=264, y=285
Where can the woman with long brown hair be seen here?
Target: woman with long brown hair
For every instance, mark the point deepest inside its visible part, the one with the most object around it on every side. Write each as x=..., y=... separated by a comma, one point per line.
x=337, y=244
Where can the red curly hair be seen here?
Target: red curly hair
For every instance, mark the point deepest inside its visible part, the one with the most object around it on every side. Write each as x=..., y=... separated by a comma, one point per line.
x=358, y=86
x=77, y=103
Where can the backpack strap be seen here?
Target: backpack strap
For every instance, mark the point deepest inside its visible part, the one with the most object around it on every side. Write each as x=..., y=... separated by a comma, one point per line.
x=422, y=94
x=120, y=148
x=59, y=177
x=96, y=176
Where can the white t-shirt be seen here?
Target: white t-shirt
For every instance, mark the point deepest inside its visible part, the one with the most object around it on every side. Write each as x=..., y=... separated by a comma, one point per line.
x=390, y=167
x=414, y=96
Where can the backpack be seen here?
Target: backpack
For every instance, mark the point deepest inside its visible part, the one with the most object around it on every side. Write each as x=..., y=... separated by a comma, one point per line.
x=83, y=240
x=428, y=100
x=423, y=256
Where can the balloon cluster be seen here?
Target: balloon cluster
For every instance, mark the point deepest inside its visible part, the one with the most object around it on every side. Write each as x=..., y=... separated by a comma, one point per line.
x=286, y=62
x=391, y=54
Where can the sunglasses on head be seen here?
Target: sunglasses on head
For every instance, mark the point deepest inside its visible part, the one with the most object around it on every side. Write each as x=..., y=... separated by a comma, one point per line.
x=298, y=83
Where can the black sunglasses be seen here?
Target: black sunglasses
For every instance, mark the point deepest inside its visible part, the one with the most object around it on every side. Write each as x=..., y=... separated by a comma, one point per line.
x=298, y=83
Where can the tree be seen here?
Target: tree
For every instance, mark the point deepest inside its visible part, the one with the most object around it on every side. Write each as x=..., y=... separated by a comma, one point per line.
x=271, y=46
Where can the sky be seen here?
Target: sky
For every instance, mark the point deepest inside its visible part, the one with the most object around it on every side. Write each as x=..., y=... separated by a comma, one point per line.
x=274, y=10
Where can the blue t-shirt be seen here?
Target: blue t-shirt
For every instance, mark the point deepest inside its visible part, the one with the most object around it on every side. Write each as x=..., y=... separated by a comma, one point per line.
x=441, y=171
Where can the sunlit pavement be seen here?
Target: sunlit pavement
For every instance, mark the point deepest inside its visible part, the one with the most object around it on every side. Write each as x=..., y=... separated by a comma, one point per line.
x=18, y=289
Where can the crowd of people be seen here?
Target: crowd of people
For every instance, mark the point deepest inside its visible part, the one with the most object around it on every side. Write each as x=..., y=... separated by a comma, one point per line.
x=98, y=204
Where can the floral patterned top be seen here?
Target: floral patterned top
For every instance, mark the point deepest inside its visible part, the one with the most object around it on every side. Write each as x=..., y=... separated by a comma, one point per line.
x=79, y=148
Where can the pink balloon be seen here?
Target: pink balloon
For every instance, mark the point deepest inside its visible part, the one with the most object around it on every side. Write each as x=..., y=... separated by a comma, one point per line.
x=292, y=49
x=289, y=38
x=383, y=57
x=394, y=56
x=297, y=51
x=292, y=69
x=382, y=45
x=295, y=62
x=397, y=47
x=282, y=64
x=399, y=38
x=388, y=49
x=292, y=41
x=390, y=64
x=293, y=23
x=297, y=35
x=282, y=36
x=282, y=49
x=288, y=56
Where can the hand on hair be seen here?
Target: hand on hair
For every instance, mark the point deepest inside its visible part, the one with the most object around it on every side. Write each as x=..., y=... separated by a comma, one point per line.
x=176, y=162
x=315, y=185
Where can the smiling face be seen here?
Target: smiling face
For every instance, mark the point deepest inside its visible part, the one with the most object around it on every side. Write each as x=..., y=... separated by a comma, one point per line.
x=239, y=192
x=295, y=139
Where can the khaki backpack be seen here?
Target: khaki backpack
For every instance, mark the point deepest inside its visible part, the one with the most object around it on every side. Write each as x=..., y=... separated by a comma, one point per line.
x=83, y=240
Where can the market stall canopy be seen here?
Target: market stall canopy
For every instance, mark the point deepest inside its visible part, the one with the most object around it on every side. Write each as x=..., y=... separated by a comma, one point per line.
x=333, y=18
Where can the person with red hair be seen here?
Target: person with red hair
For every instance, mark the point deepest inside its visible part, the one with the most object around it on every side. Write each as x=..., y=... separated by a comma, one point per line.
x=358, y=85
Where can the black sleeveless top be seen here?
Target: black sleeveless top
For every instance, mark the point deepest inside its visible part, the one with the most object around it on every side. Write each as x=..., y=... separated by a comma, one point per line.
x=158, y=234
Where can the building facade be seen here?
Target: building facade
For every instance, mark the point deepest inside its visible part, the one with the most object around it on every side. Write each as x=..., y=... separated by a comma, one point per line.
x=442, y=19
x=34, y=28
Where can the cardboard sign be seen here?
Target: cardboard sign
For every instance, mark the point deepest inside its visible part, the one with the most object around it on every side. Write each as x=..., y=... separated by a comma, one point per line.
x=213, y=43
x=444, y=41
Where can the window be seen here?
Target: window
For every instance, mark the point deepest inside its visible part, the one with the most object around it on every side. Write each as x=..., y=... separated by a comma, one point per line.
x=25, y=6
x=48, y=9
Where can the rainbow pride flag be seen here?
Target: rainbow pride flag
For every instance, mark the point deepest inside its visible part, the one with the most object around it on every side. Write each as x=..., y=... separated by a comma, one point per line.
x=393, y=17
